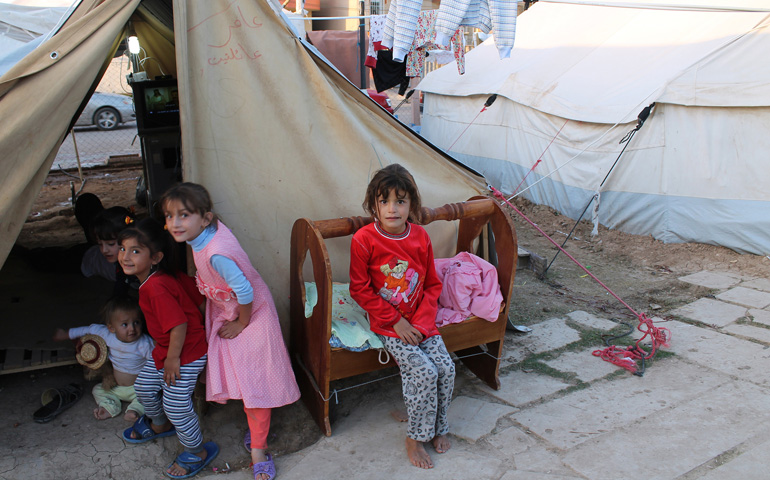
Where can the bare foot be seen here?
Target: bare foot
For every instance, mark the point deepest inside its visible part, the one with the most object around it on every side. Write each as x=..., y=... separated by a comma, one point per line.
x=177, y=471
x=441, y=443
x=101, y=413
x=131, y=416
x=155, y=428
x=399, y=415
x=258, y=456
x=417, y=454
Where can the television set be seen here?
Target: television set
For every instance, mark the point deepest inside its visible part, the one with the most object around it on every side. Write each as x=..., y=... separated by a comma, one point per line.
x=157, y=105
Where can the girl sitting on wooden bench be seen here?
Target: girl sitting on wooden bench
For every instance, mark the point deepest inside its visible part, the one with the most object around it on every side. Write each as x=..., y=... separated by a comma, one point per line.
x=393, y=278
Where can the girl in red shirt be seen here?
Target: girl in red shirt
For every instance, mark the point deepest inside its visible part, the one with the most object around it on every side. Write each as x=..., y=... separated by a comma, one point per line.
x=170, y=302
x=393, y=278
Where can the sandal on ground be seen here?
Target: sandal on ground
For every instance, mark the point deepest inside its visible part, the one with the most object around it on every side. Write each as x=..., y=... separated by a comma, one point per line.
x=266, y=467
x=193, y=463
x=144, y=431
x=56, y=400
x=247, y=441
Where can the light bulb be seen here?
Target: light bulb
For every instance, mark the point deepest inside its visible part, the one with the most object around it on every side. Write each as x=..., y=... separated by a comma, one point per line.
x=133, y=45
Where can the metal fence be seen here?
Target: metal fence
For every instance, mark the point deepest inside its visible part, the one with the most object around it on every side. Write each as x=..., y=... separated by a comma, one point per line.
x=107, y=127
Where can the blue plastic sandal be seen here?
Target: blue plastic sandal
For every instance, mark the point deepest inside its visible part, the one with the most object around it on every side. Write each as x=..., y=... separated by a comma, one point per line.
x=193, y=463
x=247, y=441
x=144, y=430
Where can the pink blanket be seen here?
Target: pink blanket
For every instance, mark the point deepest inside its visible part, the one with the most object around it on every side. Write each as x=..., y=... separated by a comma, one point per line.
x=470, y=288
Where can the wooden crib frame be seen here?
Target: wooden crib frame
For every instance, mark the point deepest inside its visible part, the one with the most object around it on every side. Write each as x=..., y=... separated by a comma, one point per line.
x=317, y=364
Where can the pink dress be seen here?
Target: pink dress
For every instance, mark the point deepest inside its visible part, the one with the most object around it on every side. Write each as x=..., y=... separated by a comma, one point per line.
x=254, y=366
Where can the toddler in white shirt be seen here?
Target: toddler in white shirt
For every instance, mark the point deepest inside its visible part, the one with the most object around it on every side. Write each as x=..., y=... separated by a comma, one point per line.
x=128, y=350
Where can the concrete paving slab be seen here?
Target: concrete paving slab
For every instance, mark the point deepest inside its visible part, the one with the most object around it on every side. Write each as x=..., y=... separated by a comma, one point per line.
x=542, y=460
x=597, y=410
x=370, y=444
x=512, y=441
x=711, y=279
x=583, y=364
x=721, y=352
x=758, y=284
x=591, y=321
x=524, y=475
x=548, y=335
x=711, y=312
x=760, y=316
x=759, y=333
x=750, y=465
x=748, y=297
x=679, y=439
x=471, y=418
x=519, y=388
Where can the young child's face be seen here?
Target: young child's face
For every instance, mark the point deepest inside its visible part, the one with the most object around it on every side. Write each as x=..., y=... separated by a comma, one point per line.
x=184, y=225
x=137, y=259
x=393, y=212
x=109, y=248
x=126, y=325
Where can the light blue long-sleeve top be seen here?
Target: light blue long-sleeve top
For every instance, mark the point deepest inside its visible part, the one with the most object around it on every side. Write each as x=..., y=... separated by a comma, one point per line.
x=226, y=267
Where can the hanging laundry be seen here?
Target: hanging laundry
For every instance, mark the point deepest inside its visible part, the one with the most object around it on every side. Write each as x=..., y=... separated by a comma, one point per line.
x=425, y=39
x=400, y=26
x=376, y=24
x=485, y=15
x=388, y=73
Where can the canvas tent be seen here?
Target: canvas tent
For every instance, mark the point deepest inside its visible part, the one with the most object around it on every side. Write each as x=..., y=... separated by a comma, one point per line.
x=579, y=75
x=271, y=129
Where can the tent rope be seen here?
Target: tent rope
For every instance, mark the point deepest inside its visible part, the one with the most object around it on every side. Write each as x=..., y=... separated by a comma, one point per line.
x=659, y=336
x=487, y=104
x=540, y=158
x=596, y=196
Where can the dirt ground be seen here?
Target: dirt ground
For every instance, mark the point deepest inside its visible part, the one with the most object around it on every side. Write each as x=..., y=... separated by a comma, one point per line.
x=640, y=270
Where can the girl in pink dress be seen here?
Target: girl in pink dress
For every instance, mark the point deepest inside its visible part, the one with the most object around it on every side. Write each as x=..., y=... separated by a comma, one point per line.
x=247, y=357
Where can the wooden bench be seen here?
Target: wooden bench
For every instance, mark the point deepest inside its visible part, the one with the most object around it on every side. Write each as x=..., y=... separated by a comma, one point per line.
x=317, y=364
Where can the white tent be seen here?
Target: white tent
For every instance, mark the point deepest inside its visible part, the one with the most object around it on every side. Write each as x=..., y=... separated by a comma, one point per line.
x=576, y=80
x=269, y=127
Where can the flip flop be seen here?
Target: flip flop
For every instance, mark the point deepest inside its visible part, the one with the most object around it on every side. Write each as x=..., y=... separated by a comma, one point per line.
x=144, y=430
x=193, y=463
x=56, y=400
x=267, y=467
x=247, y=441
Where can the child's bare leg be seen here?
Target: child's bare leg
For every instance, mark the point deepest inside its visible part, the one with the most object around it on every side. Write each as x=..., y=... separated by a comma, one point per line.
x=441, y=443
x=417, y=454
x=131, y=416
x=399, y=415
x=101, y=413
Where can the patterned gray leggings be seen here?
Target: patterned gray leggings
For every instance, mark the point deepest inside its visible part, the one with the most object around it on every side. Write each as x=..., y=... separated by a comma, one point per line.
x=428, y=379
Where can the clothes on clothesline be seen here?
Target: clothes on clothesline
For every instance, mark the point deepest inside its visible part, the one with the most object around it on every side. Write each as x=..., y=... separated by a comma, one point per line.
x=485, y=15
x=376, y=24
x=388, y=73
x=400, y=25
x=425, y=39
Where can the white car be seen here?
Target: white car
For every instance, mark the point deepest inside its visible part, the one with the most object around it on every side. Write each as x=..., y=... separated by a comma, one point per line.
x=106, y=111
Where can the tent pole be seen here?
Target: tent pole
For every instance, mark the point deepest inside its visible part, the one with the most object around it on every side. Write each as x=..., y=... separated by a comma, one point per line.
x=77, y=155
x=361, y=43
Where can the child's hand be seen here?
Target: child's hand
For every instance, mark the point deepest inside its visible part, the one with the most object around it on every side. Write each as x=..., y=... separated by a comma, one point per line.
x=171, y=370
x=407, y=333
x=231, y=329
x=60, y=335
